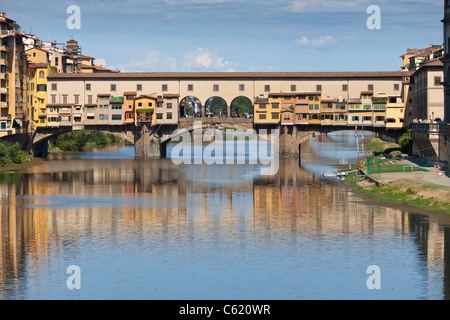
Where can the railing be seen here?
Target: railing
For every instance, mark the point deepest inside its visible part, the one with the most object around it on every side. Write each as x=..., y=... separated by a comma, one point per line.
x=430, y=127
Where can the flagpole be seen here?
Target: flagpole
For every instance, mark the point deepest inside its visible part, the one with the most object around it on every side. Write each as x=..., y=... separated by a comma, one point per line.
x=357, y=142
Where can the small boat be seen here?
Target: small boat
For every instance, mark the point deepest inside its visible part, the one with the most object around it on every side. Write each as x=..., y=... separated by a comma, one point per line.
x=330, y=175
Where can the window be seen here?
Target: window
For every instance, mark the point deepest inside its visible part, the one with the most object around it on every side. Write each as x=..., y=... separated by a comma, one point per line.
x=169, y=116
x=90, y=117
x=159, y=116
x=370, y=87
x=262, y=117
x=355, y=118
x=262, y=106
x=169, y=106
x=56, y=61
x=116, y=117
x=53, y=98
x=77, y=98
x=139, y=87
x=41, y=87
x=88, y=87
x=287, y=116
x=275, y=116
x=150, y=104
x=41, y=74
x=267, y=88
x=54, y=86
x=216, y=87
x=241, y=87
x=190, y=87
x=64, y=96
x=275, y=105
x=344, y=87
x=164, y=88
x=293, y=87
x=89, y=99
x=437, y=81
x=113, y=87
x=396, y=87
x=319, y=88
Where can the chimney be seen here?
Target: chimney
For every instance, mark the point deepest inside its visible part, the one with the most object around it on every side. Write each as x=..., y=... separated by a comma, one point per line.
x=2, y=15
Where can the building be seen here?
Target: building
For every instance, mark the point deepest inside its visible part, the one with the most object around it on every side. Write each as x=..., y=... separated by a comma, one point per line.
x=429, y=91
x=145, y=109
x=37, y=78
x=167, y=109
x=128, y=106
x=446, y=61
x=13, y=79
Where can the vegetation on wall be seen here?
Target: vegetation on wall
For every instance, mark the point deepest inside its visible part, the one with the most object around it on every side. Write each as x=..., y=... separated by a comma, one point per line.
x=78, y=140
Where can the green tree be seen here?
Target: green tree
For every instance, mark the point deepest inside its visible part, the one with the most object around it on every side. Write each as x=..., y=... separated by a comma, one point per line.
x=241, y=105
x=406, y=142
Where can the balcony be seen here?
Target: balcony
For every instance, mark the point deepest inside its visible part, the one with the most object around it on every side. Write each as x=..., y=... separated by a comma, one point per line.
x=144, y=119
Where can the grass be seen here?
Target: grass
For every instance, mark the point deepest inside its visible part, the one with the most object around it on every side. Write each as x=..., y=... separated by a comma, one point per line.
x=414, y=193
x=380, y=146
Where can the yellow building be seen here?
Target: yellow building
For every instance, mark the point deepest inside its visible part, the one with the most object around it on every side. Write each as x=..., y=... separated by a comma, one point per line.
x=38, y=94
x=314, y=103
x=395, y=115
x=267, y=110
x=144, y=107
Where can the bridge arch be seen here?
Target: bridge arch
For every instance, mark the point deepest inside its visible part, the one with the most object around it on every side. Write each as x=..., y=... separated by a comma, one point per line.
x=241, y=107
x=216, y=107
x=190, y=107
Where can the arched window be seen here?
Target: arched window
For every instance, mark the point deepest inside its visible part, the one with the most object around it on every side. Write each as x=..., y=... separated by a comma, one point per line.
x=41, y=74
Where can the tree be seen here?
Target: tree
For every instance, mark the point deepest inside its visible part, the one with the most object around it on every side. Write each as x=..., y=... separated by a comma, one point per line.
x=406, y=142
x=241, y=105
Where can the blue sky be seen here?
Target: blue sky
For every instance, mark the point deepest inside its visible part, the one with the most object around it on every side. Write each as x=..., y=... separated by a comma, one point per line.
x=237, y=35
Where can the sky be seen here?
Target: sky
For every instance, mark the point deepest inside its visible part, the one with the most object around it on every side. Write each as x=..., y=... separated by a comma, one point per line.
x=237, y=35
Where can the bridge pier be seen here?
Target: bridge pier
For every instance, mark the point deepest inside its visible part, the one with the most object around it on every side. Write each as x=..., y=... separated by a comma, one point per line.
x=146, y=143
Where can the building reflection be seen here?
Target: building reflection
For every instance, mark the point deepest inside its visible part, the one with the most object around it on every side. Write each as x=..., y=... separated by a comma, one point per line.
x=52, y=206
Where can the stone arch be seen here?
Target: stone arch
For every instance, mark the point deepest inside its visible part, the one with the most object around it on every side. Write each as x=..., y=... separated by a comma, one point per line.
x=190, y=107
x=216, y=107
x=241, y=106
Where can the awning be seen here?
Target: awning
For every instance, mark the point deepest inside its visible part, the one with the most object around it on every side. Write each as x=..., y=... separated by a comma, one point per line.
x=90, y=114
x=77, y=115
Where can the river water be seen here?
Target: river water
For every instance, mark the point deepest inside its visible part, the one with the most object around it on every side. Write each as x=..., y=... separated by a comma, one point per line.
x=150, y=229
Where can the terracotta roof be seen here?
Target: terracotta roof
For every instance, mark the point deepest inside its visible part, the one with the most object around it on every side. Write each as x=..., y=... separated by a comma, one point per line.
x=129, y=93
x=367, y=92
x=327, y=100
x=171, y=95
x=230, y=75
x=38, y=65
x=59, y=105
x=433, y=63
x=291, y=94
x=90, y=105
x=104, y=95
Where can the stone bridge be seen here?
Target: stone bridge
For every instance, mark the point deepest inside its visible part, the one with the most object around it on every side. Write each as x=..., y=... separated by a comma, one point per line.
x=151, y=140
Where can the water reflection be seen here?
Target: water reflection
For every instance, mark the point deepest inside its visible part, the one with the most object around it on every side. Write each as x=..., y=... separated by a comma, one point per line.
x=146, y=229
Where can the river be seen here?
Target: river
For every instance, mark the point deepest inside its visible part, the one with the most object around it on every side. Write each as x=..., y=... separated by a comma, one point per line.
x=150, y=229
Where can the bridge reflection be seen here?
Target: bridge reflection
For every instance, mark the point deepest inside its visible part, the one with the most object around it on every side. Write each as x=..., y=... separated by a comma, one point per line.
x=58, y=203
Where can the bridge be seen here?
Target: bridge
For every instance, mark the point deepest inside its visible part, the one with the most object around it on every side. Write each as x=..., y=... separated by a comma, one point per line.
x=151, y=140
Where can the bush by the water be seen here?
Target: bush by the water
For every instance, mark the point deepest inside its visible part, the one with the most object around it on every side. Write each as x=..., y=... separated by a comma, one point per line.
x=11, y=154
x=78, y=140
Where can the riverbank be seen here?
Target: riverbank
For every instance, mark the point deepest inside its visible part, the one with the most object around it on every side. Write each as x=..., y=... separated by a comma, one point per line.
x=427, y=189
